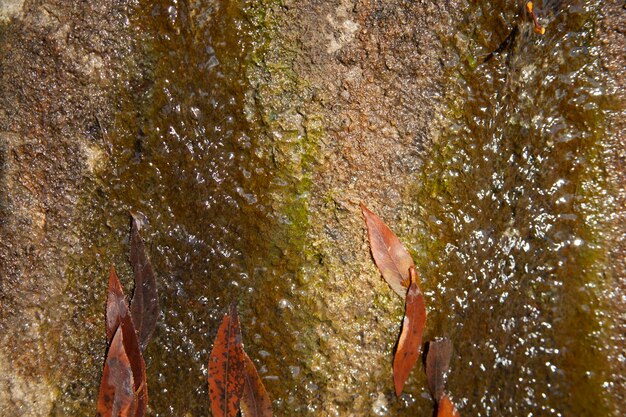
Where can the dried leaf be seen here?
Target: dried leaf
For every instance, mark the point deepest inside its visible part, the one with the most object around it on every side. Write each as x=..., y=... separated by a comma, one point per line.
x=445, y=408
x=145, y=303
x=255, y=402
x=117, y=393
x=118, y=316
x=227, y=367
x=410, y=340
x=437, y=363
x=391, y=257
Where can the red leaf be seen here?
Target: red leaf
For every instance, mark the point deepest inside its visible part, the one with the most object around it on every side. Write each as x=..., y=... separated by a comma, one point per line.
x=145, y=303
x=117, y=393
x=391, y=257
x=118, y=316
x=255, y=402
x=227, y=367
x=446, y=408
x=410, y=340
x=437, y=364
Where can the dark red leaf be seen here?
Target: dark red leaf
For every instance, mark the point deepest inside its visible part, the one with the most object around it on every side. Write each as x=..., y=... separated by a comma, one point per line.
x=255, y=402
x=117, y=392
x=410, y=340
x=118, y=316
x=437, y=363
x=445, y=408
x=227, y=367
x=145, y=303
x=390, y=255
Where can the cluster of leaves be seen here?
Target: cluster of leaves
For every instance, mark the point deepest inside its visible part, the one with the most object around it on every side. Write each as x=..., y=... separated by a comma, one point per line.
x=123, y=389
x=234, y=382
x=397, y=268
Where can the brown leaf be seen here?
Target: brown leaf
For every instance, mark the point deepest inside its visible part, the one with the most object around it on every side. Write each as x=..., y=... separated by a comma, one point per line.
x=445, y=408
x=410, y=340
x=437, y=363
x=227, y=367
x=117, y=309
x=118, y=316
x=117, y=393
x=255, y=402
x=145, y=303
x=391, y=257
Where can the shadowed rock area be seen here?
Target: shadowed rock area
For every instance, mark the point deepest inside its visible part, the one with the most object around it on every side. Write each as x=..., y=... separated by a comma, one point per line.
x=248, y=132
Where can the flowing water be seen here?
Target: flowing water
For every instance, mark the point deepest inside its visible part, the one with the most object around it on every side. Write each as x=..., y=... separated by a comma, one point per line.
x=516, y=207
x=511, y=205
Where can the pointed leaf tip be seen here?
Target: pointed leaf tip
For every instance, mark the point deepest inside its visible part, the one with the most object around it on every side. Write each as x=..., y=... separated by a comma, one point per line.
x=255, y=402
x=390, y=256
x=410, y=341
x=118, y=319
x=227, y=367
x=437, y=365
x=145, y=303
x=116, y=308
x=117, y=394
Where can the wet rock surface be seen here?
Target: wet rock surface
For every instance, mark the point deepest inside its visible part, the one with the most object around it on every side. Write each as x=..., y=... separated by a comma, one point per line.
x=612, y=30
x=59, y=63
x=248, y=134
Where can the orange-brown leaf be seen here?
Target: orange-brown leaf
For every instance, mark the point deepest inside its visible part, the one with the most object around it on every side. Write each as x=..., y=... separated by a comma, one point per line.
x=145, y=303
x=410, y=340
x=227, y=367
x=391, y=257
x=118, y=316
x=437, y=363
x=117, y=309
x=445, y=408
x=117, y=394
x=255, y=402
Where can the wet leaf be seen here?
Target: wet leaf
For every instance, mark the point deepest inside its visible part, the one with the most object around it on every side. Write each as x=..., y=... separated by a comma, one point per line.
x=145, y=303
x=255, y=402
x=117, y=393
x=118, y=317
x=537, y=28
x=445, y=408
x=227, y=367
x=410, y=340
x=117, y=309
x=437, y=363
x=391, y=257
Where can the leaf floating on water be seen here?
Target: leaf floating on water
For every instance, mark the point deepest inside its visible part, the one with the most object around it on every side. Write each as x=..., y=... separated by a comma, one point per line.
x=255, y=402
x=118, y=318
x=227, y=367
x=445, y=408
x=391, y=257
x=437, y=364
x=145, y=303
x=410, y=340
x=117, y=393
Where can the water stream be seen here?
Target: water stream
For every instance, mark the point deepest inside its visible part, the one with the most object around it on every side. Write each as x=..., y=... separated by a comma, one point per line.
x=511, y=206
x=515, y=208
